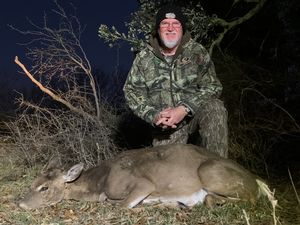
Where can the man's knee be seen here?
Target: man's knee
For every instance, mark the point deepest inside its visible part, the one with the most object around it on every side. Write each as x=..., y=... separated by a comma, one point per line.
x=212, y=111
x=211, y=122
x=214, y=106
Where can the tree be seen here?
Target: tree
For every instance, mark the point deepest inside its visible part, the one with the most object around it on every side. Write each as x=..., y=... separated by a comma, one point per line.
x=70, y=121
x=206, y=29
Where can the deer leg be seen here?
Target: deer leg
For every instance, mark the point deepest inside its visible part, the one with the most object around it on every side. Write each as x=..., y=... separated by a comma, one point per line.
x=141, y=190
x=228, y=180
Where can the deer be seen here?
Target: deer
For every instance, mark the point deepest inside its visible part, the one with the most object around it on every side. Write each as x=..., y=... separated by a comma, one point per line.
x=184, y=175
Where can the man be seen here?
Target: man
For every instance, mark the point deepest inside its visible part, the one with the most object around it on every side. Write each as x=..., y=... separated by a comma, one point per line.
x=173, y=86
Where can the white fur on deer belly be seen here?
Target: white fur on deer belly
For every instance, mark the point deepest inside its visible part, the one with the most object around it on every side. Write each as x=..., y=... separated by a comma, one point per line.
x=188, y=200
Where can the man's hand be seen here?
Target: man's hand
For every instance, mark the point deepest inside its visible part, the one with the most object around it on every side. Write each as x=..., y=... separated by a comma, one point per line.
x=170, y=117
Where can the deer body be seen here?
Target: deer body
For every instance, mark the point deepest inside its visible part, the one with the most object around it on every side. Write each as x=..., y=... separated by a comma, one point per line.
x=171, y=174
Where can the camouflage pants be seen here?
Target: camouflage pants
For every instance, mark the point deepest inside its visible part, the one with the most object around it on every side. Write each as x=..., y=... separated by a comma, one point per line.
x=210, y=121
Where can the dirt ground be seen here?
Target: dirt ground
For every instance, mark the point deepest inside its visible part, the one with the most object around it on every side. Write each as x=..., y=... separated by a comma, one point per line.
x=15, y=179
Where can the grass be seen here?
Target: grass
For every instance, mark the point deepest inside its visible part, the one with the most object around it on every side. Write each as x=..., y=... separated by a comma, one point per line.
x=15, y=179
x=71, y=212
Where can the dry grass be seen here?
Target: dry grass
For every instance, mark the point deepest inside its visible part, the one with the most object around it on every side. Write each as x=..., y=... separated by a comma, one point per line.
x=46, y=133
x=15, y=180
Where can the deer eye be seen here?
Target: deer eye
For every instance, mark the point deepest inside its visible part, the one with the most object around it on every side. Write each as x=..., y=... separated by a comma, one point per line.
x=44, y=188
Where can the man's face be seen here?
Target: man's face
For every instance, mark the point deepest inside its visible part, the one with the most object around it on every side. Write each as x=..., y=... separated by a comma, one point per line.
x=170, y=32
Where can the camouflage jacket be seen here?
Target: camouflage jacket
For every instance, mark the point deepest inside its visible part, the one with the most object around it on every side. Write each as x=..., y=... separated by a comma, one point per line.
x=154, y=84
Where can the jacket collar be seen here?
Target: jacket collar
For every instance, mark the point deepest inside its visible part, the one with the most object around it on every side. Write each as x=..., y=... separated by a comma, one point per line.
x=154, y=43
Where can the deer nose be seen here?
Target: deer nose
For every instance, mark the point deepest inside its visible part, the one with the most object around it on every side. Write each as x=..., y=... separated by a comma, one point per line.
x=23, y=205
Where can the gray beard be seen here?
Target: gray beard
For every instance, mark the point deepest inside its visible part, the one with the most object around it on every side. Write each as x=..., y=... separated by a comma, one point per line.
x=170, y=44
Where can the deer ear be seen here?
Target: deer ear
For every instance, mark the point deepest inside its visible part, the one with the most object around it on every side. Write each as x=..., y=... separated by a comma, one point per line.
x=73, y=173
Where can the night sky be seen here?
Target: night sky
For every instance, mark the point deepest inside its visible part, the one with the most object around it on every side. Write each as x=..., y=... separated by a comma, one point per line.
x=90, y=13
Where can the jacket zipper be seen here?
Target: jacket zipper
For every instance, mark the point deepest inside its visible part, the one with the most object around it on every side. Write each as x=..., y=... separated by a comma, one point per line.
x=171, y=82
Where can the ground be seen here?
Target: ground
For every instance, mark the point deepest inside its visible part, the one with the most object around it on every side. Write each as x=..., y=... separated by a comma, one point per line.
x=15, y=180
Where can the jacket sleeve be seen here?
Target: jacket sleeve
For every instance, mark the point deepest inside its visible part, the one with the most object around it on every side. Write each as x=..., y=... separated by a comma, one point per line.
x=136, y=95
x=204, y=87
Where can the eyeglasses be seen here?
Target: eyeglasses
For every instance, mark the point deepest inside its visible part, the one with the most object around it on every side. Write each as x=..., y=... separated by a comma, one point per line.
x=166, y=24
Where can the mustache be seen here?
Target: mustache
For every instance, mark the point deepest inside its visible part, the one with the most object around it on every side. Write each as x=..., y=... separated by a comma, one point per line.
x=172, y=32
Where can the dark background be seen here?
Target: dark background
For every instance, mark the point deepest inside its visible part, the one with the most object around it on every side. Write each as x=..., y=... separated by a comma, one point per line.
x=269, y=41
x=271, y=37
x=90, y=13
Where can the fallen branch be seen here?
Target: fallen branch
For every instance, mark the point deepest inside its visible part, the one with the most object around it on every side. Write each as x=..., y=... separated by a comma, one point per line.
x=49, y=92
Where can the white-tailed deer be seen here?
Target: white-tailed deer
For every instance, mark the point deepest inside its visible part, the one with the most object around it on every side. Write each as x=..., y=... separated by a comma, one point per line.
x=173, y=174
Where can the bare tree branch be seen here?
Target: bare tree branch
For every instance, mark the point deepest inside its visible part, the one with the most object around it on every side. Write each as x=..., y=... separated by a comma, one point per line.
x=57, y=55
x=49, y=92
x=230, y=25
